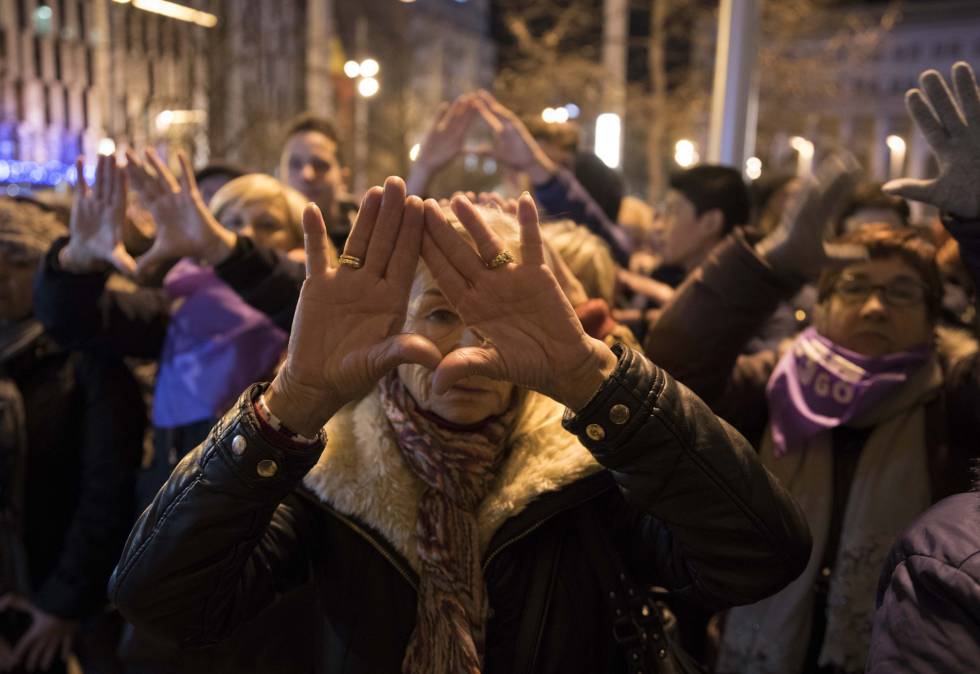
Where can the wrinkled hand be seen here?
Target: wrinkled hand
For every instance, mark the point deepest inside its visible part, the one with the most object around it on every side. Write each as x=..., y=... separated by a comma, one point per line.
x=48, y=637
x=514, y=146
x=535, y=339
x=185, y=226
x=952, y=129
x=98, y=215
x=567, y=281
x=346, y=333
x=797, y=248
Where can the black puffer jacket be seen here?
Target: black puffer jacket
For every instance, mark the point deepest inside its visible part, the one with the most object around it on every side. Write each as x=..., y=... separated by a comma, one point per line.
x=679, y=492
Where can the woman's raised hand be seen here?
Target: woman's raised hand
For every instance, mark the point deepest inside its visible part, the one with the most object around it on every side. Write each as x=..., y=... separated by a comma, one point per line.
x=98, y=214
x=533, y=337
x=347, y=330
x=185, y=226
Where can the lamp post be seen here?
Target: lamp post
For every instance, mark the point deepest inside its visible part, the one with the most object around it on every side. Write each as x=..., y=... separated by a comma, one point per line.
x=365, y=75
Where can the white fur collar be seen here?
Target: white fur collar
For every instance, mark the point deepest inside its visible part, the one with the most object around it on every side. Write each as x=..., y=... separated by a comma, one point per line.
x=362, y=473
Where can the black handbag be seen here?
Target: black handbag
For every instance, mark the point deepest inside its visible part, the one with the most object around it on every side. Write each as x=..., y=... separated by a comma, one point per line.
x=644, y=628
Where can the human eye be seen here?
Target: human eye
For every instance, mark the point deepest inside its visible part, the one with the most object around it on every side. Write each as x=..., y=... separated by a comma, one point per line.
x=905, y=291
x=442, y=317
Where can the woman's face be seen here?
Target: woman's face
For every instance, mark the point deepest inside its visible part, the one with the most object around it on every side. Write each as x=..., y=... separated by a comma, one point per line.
x=472, y=399
x=266, y=221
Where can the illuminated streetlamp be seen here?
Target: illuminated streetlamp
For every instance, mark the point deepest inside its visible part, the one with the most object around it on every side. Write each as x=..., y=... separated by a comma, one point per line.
x=896, y=155
x=753, y=168
x=608, y=132
x=686, y=153
x=804, y=158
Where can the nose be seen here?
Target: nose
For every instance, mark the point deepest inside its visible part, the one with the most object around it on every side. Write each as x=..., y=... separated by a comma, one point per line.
x=308, y=173
x=874, y=306
x=469, y=337
x=246, y=231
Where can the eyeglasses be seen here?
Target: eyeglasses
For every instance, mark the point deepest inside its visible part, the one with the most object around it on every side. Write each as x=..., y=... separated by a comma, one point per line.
x=898, y=293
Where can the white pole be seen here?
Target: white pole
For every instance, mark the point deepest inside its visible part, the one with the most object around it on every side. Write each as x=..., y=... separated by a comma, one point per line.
x=735, y=97
x=615, y=30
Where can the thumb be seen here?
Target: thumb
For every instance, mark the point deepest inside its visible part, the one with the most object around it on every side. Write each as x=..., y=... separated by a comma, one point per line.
x=467, y=362
x=406, y=348
x=910, y=188
x=151, y=259
x=122, y=260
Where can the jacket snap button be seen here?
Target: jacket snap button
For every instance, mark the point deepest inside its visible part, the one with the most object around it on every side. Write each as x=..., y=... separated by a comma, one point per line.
x=238, y=445
x=661, y=654
x=595, y=432
x=266, y=468
x=619, y=414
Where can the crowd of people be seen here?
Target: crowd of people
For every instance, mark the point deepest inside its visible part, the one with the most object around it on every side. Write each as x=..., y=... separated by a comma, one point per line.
x=250, y=424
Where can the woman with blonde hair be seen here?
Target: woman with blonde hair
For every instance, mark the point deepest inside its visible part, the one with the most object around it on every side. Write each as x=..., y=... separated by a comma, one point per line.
x=410, y=466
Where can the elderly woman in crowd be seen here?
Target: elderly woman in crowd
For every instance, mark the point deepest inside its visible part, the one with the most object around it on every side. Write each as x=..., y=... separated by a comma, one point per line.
x=862, y=418
x=410, y=465
x=71, y=428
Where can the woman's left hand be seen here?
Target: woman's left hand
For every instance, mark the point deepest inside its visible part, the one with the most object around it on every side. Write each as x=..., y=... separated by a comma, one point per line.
x=533, y=337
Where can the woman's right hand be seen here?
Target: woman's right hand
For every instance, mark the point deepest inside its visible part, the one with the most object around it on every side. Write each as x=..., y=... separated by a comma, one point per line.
x=98, y=214
x=347, y=331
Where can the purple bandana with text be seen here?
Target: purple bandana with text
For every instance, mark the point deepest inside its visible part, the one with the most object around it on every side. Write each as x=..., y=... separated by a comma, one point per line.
x=818, y=385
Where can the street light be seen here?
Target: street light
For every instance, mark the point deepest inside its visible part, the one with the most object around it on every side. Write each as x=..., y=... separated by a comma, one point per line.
x=686, y=153
x=804, y=159
x=107, y=147
x=608, y=131
x=369, y=68
x=753, y=168
x=896, y=155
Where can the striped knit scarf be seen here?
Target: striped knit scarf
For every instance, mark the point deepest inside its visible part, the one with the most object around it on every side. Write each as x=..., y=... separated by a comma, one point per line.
x=458, y=468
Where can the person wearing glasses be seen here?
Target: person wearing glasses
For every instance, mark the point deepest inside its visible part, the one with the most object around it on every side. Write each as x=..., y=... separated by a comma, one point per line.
x=864, y=417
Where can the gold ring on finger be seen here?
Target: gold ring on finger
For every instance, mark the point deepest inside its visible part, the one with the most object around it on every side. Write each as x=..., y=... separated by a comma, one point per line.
x=500, y=259
x=351, y=261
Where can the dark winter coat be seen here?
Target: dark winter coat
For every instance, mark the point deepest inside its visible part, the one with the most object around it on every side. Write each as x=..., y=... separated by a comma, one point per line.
x=680, y=493
x=82, y=428
x=928, y=617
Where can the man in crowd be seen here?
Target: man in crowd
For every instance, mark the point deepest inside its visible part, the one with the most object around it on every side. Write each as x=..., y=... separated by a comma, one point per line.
x=311, y=163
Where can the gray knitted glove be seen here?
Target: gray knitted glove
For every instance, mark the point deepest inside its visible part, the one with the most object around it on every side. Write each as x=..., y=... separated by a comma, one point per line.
x=797, y=249
x=952, y=129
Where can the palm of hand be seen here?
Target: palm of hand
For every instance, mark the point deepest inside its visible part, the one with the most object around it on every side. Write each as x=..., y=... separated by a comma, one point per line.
x=183, y=223
x=340, y=332
x=956, y=188
x=532, y=333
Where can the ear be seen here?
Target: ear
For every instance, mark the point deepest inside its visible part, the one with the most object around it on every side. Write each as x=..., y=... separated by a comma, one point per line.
x=711, y=224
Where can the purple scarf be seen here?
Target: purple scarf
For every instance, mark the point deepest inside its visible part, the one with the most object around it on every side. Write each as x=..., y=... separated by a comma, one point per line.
x=216, y=346
x=818, y=385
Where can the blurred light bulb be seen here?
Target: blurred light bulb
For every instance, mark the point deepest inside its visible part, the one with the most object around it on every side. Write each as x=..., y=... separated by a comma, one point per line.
x=753, y=168
x=369, y=68
x=686, y=153
x=413, y=154
x=107, y=146
x=368, y=87
x=608, y=131
x=548, y=115
x=895, y=143
x=352, y=69
x=560, y=115
x=573, y=110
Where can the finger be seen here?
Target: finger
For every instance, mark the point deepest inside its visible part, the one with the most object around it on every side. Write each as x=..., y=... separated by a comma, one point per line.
x=24, y=645
x=911, y=188
x=385, y=233
x=315, y=241
x=101, y=177
x=495, y=125
x=66, y=648
x=465, y=362
x=367, y=215
x=47, y=652
x=81, y=186
x=487, y=242
x=967, y=93
x=532, y=249
x=455, y=250
x=11, y=600
x=152, y=259
x=118, y=184
x=38, y=650
x=406, y=348
x=448, y=278
x=405, y=259
x=924, y=118
x=495, y=106
x=187, y=179
x=941, y=100
x=122, y=261
x=165, y=178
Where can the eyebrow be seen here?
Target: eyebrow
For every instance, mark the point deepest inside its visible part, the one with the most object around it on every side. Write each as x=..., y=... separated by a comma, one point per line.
x=902, y=276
